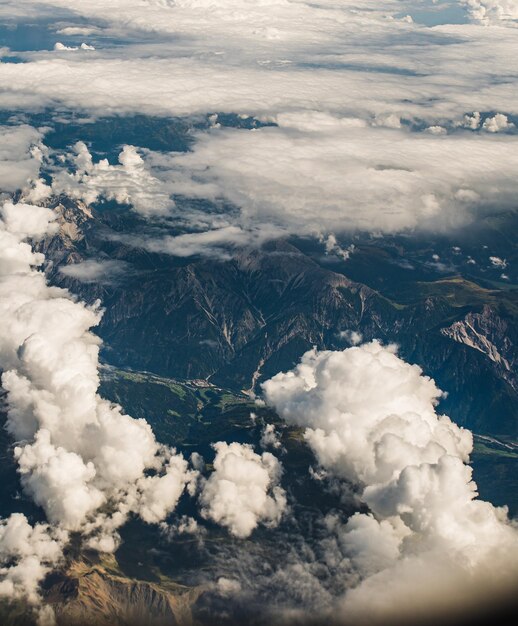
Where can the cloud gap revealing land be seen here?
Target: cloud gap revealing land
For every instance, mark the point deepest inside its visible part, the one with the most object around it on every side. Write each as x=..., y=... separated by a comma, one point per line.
x=259, y=306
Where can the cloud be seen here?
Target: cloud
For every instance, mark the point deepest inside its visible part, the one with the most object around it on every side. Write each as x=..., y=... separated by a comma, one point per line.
x=26, y=220
x=428, y=544
x=32, y=552
x=497, y=123
x=353, y=337
x=243, y=491
x=71, y=31
x=332, y=247
x=59, y=47
x=304, y=176
x=20, y=156
x=86, y=463
x=216, y=242
x=102, y=271
x=130, y=182
x=295, y=175
x=496, y=261
x=488, y=10
x=268, y=57
x=349, y=86
x=228, y=587
x=270, y=437
x=307, y=175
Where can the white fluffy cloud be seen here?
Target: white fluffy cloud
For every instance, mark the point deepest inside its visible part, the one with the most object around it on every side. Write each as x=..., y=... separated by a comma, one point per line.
x=497, y=123
x=428, y=544
x=59, y=47
x=31, y=552
x=243, y=491
x=26, y=220
x=129, y=182
x=270, y=437
x=20, y=156
x=487, y=10
x=77, y=453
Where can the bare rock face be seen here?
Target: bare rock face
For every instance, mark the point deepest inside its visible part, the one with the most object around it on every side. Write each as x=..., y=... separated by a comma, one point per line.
x=72, y=217
x=488, y=333
x=87, y=594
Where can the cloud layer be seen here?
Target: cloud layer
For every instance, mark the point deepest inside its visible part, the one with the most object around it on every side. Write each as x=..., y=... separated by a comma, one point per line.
x=305, y=176
x=351, y=58
x=383, y=123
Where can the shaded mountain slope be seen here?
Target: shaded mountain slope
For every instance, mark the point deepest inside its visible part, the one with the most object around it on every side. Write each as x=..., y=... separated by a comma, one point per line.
x=238, y=321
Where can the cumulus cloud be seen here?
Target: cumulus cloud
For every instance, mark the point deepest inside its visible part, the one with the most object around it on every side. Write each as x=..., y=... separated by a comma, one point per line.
x=130, y=182
x=31, y=551
x=243, y=491
x=428, y=543
x=332, y=247
x=353, y=337
x=228, y=587
x=472, y=121
x=270, y=437
x=20, y=157
x=85, y=462
x=488, y=10
x=60, y=47
x=497, y=123
x=27, y=220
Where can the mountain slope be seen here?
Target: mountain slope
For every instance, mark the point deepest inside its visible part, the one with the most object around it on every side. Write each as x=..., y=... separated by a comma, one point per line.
x=239, y=321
